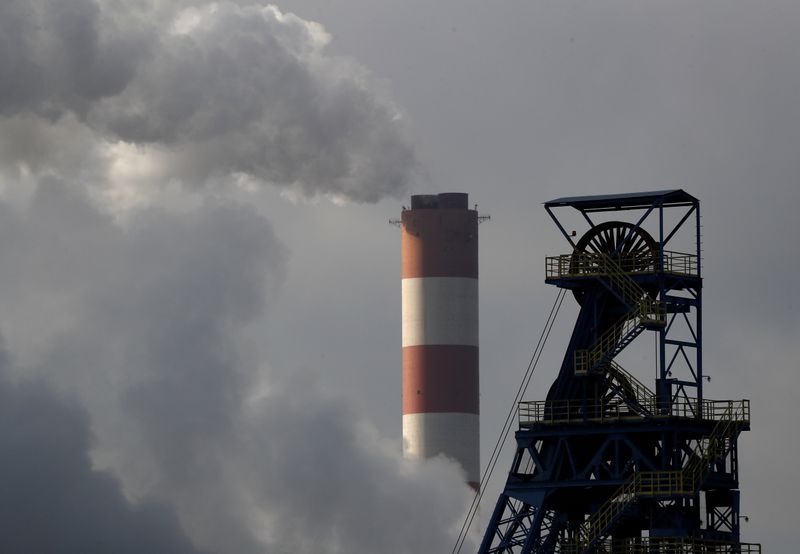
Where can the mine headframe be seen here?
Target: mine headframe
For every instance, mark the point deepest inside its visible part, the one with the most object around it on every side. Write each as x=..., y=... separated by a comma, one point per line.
x=606, y=463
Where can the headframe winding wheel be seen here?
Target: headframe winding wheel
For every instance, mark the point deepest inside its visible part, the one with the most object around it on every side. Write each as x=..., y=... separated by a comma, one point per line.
x=630, y=246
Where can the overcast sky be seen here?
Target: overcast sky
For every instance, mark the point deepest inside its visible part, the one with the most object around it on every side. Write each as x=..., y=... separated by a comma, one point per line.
x=200, y=290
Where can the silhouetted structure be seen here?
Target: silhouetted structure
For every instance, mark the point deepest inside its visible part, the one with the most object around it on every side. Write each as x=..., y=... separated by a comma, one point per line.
x=606, y=464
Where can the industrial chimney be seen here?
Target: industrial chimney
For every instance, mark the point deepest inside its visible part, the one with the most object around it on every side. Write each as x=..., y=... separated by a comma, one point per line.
x=440, y=330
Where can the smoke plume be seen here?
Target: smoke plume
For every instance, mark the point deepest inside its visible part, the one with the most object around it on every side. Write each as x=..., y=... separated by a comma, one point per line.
x=146, y=326
x=205, y=94
x=52, y=499
x=138, y=414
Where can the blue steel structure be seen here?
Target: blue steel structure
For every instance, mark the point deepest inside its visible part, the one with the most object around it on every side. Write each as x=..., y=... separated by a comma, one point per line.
x=607, y=464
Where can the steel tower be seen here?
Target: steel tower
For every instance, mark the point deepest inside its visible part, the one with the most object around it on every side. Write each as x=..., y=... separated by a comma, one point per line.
x=607, y=464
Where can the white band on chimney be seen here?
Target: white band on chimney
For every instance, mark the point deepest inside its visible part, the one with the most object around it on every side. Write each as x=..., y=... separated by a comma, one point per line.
x=454, y=435
x=440, y=310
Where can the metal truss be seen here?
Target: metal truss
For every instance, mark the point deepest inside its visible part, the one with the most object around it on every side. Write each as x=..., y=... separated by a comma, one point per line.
x=606, y=464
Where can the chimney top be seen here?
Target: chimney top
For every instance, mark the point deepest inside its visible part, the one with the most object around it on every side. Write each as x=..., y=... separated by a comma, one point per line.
x=442, y=201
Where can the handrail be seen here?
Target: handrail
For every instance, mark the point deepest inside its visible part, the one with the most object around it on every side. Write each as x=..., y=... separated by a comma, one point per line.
x=644, y=311
x=590, y=264
x=716, y=444
x=632, y=293
x=642, y=394
x=662, y=483
x=577, y=411
x=667, y=545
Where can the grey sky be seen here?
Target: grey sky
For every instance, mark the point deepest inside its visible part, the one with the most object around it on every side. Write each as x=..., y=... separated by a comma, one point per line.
x=521, y=102
x=197, y=259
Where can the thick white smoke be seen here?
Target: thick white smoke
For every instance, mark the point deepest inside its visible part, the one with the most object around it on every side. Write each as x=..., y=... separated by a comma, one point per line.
x=137, y=330
x=205, y=94
x=144, y=326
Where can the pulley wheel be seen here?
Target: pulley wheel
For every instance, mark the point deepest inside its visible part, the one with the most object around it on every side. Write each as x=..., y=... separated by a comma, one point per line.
x=631, y=247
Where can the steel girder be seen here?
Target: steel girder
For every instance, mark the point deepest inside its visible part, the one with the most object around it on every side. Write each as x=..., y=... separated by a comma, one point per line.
x=565, y=472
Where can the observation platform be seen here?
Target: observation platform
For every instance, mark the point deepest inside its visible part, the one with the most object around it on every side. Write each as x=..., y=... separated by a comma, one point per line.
x=582, y=265
x=671, y=545
x=551, y=412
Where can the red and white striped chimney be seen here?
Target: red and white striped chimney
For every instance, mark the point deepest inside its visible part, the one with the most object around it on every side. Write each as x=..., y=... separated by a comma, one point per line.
x=440, y=330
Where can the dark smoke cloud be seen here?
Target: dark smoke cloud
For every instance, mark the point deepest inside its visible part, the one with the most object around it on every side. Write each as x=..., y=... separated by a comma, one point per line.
x=51, y=499
x=207, y=94
x=145, y=332
x=62, y=55
x=149, y=321
x=148, y=325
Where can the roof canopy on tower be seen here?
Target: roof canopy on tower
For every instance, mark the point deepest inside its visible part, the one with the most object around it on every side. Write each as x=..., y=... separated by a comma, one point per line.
x=626, y=201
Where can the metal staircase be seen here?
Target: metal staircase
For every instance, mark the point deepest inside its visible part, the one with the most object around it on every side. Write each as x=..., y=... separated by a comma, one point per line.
x=644, y=312
x=604, y=464
x=633, y=392
x=654, y=484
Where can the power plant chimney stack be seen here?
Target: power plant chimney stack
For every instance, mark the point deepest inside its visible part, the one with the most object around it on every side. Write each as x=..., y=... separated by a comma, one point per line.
x=440, y=330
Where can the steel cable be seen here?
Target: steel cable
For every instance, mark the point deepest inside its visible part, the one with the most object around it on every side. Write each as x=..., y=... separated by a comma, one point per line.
x=501, y=439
